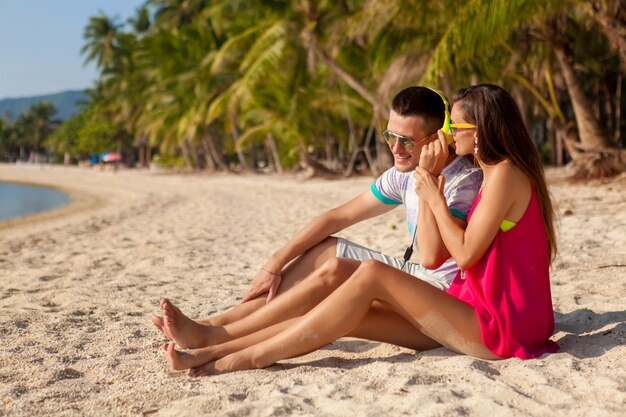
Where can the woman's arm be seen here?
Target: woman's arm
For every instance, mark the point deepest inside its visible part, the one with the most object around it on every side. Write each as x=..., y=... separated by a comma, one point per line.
x=501, y=192
x=432, y=248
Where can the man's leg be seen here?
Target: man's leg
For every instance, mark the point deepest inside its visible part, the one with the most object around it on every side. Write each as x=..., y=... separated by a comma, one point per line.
x=317, y=286
x=295, y=272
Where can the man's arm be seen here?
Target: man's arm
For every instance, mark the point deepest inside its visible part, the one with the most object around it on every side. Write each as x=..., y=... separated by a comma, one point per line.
x=360, y=208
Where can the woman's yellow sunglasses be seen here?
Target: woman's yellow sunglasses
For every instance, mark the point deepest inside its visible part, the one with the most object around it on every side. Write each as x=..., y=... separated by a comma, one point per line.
x=460, y=126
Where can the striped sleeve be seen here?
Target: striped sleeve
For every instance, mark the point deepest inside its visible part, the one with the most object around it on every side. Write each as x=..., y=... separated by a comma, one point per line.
x=462, y=191
x=390, y=187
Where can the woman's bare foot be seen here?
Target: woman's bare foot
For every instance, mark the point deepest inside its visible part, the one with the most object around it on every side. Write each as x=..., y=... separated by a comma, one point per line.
x=179, y=328
x=179, y=360
x=231, y=363
x=205, y=370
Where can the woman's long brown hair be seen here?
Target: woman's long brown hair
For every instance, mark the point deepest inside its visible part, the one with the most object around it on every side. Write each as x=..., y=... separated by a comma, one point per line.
x=504, y=136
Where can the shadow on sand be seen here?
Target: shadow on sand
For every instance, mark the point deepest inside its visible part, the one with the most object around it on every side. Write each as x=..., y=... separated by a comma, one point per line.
x=584, y=338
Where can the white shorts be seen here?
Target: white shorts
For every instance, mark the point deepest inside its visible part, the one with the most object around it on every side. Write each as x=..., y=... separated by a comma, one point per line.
x=350, y=250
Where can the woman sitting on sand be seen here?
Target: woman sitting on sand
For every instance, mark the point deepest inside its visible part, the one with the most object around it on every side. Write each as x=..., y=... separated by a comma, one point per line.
x=499, y=305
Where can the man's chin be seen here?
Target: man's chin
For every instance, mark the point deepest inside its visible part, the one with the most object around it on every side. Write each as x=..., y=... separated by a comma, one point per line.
x=404, y=166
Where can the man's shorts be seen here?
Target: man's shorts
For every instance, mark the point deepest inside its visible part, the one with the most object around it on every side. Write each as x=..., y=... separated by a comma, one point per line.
x=350, y=250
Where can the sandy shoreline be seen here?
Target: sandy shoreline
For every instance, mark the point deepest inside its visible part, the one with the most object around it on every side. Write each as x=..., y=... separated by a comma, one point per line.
x=79, y=201
x=77, y=286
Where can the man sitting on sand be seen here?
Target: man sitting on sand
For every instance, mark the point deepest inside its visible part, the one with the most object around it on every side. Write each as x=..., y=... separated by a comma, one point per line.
x=416, y=115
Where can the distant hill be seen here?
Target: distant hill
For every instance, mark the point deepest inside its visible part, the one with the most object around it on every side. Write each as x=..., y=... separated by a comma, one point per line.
x=67, y=104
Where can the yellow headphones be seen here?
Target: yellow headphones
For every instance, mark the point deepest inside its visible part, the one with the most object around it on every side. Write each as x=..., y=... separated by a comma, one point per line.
x=446, y=122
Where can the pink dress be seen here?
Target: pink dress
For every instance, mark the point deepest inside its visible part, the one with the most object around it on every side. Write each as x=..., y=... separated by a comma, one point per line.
x=510, y=289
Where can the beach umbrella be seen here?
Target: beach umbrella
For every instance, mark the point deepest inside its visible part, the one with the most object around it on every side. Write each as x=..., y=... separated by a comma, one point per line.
x=111, y=157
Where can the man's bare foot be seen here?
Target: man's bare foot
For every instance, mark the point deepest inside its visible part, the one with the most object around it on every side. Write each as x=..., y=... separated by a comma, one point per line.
x=187, y=333
x=179, y=360
x=158, y=323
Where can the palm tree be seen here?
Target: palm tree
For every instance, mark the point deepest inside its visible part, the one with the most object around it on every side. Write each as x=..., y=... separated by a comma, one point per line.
x=283, y=38
x=611, y=15
x=174, y=14
x=289, y=80
x=101, y=35
x=483, y=28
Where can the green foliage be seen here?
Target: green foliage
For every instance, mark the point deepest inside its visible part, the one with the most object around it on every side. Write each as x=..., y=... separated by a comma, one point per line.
x=169, y=161
x=309, y=74
x=28, y=133
x=99, y=134
x=66, y=136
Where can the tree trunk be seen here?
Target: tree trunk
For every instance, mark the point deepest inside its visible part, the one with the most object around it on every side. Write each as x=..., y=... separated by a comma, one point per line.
x=214, y=148
x=195, y=157
x=596, y=155
x=312, y=168
x=592, y=135
x=235, y=132
x=271, y=145
x=252, y=151
x=384, y=157
x=611, y=15
x=210, y=163
x=618, y=111
x=187, y=154
x=348, y=79
x=518, y=94
x=371, y=132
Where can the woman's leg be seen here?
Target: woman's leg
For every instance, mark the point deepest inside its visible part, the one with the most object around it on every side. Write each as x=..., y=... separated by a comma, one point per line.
x=302, y=298
x=434, y=313
x=196, y=357
x=380, y=324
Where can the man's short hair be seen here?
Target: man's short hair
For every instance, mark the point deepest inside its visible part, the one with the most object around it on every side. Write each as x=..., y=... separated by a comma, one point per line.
x=422, y=102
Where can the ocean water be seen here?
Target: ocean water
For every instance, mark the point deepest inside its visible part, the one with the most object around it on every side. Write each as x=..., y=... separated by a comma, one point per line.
x=22, y=200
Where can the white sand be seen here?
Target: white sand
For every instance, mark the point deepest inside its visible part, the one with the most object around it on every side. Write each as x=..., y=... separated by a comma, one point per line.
x=77, y=287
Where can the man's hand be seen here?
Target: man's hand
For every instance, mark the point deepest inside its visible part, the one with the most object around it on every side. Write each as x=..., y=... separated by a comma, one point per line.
x=435, y=154
x=264, y=281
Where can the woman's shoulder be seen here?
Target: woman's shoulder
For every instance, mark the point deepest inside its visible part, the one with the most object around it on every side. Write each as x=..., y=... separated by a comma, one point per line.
x=507, y=179
x=506, y=171
x=514, y=187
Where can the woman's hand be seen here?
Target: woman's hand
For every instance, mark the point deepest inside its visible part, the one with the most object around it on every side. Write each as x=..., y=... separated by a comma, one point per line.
x=435, y=154
x=427, y=187
x=264, y=281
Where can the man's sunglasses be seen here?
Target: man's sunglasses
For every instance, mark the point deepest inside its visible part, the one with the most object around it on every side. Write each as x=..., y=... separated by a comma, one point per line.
x=406, y=142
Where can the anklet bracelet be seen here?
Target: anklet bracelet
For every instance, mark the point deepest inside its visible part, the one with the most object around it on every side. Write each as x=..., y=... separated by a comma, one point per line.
x=270, y=272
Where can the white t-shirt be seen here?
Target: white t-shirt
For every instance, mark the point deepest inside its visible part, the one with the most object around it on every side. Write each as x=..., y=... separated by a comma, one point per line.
x=462, y=184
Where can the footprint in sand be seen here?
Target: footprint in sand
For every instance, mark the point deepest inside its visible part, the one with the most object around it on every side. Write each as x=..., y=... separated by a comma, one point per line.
x=485, y=368
x=67, y=373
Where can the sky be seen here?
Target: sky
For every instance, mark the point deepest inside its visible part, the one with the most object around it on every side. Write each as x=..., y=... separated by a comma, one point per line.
x=40, y=43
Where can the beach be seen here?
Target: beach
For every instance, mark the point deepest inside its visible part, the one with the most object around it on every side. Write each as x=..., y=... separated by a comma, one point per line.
x=78, y=284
